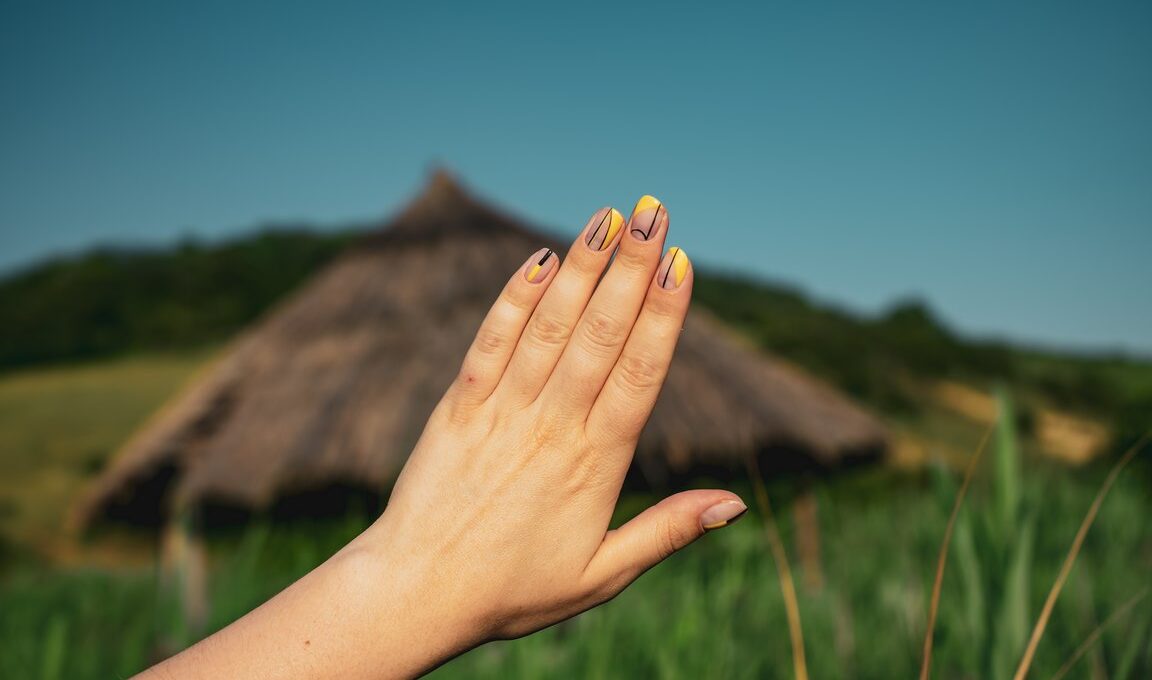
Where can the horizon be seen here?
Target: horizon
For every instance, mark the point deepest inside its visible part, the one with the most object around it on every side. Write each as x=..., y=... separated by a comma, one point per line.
x=991, y=161
x=367, y=225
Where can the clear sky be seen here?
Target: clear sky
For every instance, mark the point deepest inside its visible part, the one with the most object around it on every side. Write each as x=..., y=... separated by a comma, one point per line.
x=994, y=158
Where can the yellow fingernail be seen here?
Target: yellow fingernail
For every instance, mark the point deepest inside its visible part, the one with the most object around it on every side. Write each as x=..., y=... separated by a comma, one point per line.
x=645, y=217
x=604, y=229
x=646, y=203
x=539, y=265
x=673, y=269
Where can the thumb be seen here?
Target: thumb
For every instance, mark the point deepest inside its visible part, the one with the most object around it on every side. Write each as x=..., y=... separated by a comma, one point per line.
x=659, y=531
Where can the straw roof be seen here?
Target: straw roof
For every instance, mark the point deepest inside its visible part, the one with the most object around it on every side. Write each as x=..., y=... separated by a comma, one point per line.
x=331, y=389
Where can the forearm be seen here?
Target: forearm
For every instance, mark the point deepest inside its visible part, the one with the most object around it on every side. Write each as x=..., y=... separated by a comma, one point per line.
x=355, y=616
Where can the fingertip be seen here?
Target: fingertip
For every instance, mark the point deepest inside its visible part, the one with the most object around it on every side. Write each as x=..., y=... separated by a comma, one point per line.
x=723, y=513
x=602, y=229
x=646, y=202
x=649, y=218
x=541, y=265
x=674, y=269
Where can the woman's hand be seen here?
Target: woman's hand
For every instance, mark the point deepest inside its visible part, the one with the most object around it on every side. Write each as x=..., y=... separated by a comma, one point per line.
x=498, y=525
x=505, y=502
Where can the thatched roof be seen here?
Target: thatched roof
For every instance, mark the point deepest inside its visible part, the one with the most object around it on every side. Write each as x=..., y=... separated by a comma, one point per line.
x=332, y=388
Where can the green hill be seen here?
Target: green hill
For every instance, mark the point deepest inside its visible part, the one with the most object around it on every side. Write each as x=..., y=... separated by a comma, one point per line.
x=111, y=302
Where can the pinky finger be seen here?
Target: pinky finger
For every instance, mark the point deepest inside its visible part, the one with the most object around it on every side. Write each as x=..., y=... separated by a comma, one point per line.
x=500, y=331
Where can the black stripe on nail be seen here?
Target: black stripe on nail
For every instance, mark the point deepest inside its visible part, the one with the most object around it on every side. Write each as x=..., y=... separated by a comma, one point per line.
x=655, y=216
x=598, y=226
x=545, y=258
x=669, y=269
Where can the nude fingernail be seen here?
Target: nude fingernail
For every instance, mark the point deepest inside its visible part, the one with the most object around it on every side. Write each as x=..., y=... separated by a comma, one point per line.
x=539, y=265
x=672, y=270
x=603, y=227
x=722, y=514
x=646, y=218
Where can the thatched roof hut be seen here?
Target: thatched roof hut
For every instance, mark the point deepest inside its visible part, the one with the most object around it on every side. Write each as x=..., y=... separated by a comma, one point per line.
x=331, y=389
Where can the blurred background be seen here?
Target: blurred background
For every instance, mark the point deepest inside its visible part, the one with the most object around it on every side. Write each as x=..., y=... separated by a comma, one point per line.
x=916, y=228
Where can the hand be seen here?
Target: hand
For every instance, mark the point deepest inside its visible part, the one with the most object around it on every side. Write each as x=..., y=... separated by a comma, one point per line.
x=498, y=525
x=506, y=500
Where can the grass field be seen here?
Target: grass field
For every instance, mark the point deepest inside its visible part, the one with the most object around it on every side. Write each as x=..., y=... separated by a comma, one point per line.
x=713, y=611
x=58, y=426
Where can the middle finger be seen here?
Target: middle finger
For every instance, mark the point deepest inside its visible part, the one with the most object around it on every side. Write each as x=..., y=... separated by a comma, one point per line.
x=608, y=319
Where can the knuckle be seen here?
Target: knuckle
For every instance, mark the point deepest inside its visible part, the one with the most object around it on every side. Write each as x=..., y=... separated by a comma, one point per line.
x=624, y=427
x=549, y=331
x=591, y=473
x=455, y=410
x=670, y=538
x=584, y=263
x=637, y=373
x=633, y=261
x=549, y=430
x=664, y=307
x=458, y=415
x=604, y=331
x=489, y=341
x=520, y=298
x=610, y=588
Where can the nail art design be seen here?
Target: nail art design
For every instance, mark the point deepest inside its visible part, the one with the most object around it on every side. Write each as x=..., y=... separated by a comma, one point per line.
x=540, y=264
x=722, y=514
x=644, y=225
x=673, y=269
x=604, y=226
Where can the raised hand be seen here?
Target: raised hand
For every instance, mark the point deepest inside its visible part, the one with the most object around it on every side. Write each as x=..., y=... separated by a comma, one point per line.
x=498, y=525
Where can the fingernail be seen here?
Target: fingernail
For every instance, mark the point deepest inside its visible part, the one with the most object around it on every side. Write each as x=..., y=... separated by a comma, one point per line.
x=539, y=265
x=673, y=268
x=603, y=227
x=646, y=218
x=722, y=514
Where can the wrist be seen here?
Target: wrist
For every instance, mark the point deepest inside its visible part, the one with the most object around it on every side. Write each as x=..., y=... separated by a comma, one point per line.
x=412, y=612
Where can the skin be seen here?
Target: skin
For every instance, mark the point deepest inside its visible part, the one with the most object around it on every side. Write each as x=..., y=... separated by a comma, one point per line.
x=498, y=524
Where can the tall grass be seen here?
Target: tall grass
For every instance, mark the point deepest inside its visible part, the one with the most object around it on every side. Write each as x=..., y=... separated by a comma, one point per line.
x=942, y=559
x=714, y=610
x=1073, y=553
x=783, y=569
x=1005, y=540
x=1097, y=632
x=994, y=551
x=997, y=605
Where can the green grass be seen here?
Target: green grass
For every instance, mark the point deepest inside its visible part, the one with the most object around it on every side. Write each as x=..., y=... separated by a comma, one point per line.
x=714, y=610
x=58, y=426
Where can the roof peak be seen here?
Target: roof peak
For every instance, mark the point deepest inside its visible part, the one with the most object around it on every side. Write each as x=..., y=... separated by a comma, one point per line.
x=442, y=194
x=444, y=183
x=444, y=205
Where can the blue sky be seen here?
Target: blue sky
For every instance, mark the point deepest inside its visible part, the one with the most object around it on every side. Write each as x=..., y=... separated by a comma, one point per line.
x=993, y=159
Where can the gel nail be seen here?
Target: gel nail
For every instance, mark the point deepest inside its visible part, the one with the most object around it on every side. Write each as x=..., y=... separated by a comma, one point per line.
x=603, y=227
x=539, y=265
x=646, y=217
x=722, y=514
x=673, y=269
